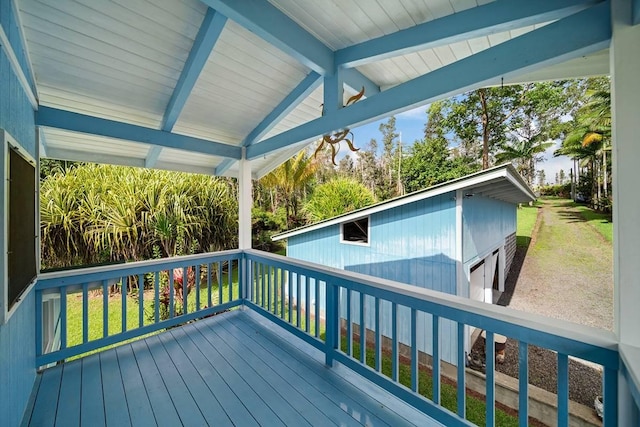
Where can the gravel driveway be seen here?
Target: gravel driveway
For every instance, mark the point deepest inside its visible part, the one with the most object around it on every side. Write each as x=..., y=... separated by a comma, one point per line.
x=567, y=274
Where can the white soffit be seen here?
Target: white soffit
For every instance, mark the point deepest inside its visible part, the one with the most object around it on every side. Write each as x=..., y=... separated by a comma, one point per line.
x=105, y=54
x=244, y=80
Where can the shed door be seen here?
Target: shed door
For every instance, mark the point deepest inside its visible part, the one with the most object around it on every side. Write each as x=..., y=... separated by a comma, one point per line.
x=476, y=291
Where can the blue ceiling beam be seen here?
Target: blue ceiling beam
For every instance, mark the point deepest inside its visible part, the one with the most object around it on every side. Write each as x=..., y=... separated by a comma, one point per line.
x=636, y=12
x=551, y=44
x=269, y=23
x=501, y=15
x=223, y=166
x=61, y=119
x=208, y=35
x=152, y=156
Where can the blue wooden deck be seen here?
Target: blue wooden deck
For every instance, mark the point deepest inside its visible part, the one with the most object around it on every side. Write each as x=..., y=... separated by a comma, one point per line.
x=232, y=369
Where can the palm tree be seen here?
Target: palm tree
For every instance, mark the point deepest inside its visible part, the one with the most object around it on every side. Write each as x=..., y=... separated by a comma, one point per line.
x=525, y=153
x=290, y=180
x=590, y=138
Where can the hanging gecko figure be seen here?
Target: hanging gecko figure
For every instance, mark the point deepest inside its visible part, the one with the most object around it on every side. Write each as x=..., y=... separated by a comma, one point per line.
x=334, y=139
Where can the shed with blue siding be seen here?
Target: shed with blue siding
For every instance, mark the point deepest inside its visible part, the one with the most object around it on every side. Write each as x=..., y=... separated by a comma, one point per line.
x=457, y=237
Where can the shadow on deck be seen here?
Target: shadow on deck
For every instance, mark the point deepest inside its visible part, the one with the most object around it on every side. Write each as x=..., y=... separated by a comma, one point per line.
x=232, y=369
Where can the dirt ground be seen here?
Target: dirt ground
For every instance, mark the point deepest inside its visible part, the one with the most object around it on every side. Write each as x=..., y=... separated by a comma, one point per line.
x=565, y=273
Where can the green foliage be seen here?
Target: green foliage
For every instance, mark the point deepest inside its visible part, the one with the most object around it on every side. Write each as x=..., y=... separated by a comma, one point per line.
x=526, y=218
x=558, y=190
x=336, y=197
x=264, y=225
x=99, y=213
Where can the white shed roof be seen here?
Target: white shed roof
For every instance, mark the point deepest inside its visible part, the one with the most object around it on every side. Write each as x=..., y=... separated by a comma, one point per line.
x=198, y=80
x=500, y=183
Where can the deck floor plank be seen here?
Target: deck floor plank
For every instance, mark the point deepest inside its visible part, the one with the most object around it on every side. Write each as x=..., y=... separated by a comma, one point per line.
x=140, y=411
x=232, y=404
x=317, y=406
x=91, y=397
x=262, y=412
x=236, y=368
x=350, y=398
x=385, y=405
x=68, y=413
x=47, y=399
x=188, y=411
x=163, y=409
x=116, y=410
x=257, y=368
x=209, y=406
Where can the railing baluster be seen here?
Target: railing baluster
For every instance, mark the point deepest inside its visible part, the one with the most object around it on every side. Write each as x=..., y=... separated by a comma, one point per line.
x=523, y=384
x=105, y=309
x=307, y=305
x=63, y=318
x=394, y=344
x=363, y=332
x=140, y=300
x=378, y=336
x=185, y=288
x=156, y=291
x=230, y=278
x=269, y=300
x=610, y=397
x=171, y=307
x=461, y=378
x=196, y=285
x=219, y=282
x=85, y=312
x=563, y=389
x=39, y=323
x=490, y=350
x=317, y=308
x=290, y=296
x=349, y=324
x=123, y=294
x=209, y=274
x=298, y=297
x=435, y=337
x=263, y=298
x=282, y=300
x=414, y=350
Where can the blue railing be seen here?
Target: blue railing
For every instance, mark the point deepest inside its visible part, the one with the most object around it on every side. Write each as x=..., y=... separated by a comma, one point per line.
x=325, y=307
x=202, y=285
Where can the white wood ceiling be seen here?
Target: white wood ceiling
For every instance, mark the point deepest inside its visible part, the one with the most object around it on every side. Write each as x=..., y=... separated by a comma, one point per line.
x=121, y=60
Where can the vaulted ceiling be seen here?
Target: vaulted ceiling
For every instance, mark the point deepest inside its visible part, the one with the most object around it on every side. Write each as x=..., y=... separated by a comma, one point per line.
x=191, y=85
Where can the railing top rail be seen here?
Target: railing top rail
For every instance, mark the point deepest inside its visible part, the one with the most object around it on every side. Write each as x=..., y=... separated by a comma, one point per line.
x=64, y=277
x=525, y=323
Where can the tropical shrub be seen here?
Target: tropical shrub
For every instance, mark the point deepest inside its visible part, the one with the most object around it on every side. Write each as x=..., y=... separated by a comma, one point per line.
x=100, y=213
x=338, y=196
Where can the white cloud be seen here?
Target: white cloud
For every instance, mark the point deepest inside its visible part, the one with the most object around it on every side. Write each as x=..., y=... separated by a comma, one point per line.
x=419, y=113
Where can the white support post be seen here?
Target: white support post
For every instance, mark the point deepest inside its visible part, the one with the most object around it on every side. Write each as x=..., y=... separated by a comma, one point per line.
x=245, y=202
x=625, y=105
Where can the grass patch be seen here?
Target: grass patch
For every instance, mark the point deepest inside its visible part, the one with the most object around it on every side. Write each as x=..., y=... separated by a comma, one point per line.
x=526, y=217
x=601, y=222
x=114, y=314
x=476, y=408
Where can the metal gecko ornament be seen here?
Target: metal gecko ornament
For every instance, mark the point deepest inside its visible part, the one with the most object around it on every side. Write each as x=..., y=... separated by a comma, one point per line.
x=334, y=139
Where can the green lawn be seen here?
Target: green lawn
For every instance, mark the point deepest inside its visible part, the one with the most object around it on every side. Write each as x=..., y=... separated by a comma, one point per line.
x=114, y=318
x=527, y=216
x=476, y=408
x=601, y=222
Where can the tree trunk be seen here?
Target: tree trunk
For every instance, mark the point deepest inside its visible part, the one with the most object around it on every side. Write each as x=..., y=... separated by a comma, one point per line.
x=485, y=128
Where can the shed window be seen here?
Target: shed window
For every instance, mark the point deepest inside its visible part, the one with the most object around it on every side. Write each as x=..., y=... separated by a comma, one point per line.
x=356, y=231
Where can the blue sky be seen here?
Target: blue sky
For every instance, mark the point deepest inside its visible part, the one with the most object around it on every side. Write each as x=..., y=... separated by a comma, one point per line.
x=411, y=125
